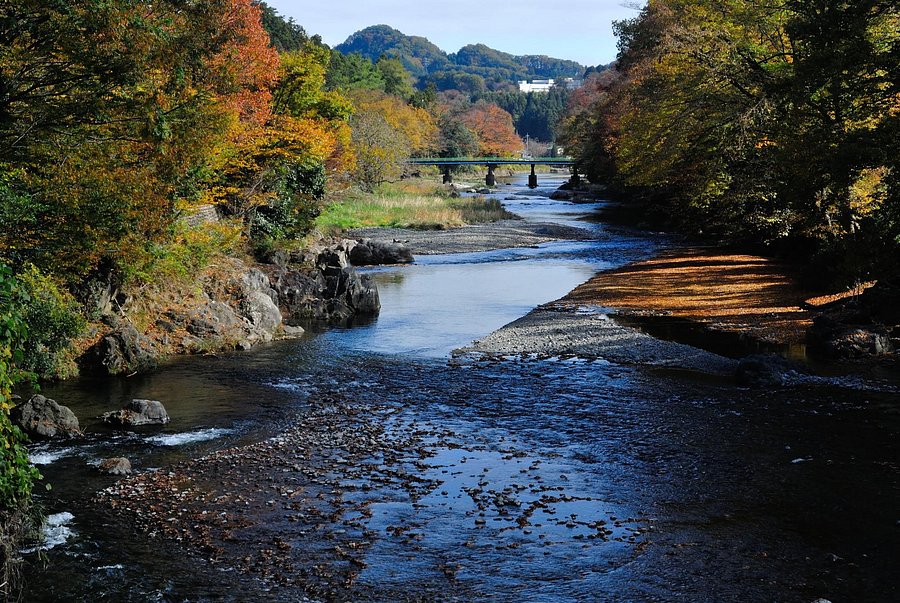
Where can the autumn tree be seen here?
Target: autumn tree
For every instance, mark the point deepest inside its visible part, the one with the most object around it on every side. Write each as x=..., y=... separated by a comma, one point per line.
x=386, y=132
x=493, y=128
x=105, y=108
x=763, y=122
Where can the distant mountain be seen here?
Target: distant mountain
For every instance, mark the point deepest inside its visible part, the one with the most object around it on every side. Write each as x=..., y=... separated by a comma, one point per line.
x=425, y=60
x=417, y=54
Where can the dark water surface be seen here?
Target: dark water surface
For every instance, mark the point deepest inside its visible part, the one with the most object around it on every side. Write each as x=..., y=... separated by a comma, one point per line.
x=541, y=480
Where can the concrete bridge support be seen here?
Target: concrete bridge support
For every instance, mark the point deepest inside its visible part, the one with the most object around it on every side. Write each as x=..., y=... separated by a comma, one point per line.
x=448, y=177
x=490, y=179
x=532, y=179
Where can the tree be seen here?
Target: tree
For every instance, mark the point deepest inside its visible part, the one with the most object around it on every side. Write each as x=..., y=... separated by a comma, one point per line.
x=380, y=149
x=455, y=139
x=397, y=80
x=767, y=122
x=285, y=35
x=17, y=474
x=493, y=127
x=352, y=72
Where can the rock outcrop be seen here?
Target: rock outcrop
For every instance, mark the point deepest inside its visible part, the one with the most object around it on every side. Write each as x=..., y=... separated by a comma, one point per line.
x=236, y=306
x=138, y=413
x=332, y=290
x=367, y=252
x=43, y=418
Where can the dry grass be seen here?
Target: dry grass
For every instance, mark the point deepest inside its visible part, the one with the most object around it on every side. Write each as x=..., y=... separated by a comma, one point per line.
x=408, y=206
x=730, y=292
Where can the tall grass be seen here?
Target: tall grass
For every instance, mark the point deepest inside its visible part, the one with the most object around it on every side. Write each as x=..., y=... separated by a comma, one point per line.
x=408, y=207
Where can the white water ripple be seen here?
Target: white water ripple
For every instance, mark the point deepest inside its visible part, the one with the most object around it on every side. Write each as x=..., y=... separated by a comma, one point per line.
x=189, y=437
x=55, y=533
x=46, y=456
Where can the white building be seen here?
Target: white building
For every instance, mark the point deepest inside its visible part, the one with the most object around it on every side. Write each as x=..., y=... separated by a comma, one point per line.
x=545, y=85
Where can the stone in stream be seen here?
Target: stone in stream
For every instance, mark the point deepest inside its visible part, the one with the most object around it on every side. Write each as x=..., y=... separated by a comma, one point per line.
x=44, y=418
x=374, y=253
x=138, y=412
x=115, y=466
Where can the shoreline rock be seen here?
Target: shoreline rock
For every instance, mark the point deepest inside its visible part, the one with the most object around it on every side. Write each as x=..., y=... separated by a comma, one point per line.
x=239, y=306
x=44, y=418
x=115, y=466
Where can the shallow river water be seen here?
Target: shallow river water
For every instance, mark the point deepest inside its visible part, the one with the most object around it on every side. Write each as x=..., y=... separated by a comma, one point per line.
x=525, y=480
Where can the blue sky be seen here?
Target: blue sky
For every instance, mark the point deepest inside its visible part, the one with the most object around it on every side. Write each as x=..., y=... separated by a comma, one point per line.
x=580, y=30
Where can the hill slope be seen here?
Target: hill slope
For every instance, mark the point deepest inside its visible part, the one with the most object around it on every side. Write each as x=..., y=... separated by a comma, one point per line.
x=424, y=59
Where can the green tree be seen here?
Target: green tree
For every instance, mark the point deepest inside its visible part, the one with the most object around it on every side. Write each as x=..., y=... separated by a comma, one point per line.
x=397, y=80
x=455, y=139
x=380, y=150
x=285, y=34
x=353, y=72
x=17, y=474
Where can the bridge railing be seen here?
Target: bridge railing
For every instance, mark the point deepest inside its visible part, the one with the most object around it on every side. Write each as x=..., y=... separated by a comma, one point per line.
x=486, y=160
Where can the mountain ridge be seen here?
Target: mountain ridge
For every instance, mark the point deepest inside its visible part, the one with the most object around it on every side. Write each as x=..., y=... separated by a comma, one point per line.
x=426, y=60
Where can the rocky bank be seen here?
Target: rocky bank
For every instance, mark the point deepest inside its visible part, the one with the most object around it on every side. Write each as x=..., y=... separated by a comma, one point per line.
x=234, y=304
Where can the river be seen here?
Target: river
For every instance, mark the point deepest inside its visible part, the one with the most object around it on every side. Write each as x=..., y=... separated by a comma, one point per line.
x=524, y=480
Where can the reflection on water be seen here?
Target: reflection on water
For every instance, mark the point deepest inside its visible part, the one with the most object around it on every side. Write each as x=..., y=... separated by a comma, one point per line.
x=435, y=309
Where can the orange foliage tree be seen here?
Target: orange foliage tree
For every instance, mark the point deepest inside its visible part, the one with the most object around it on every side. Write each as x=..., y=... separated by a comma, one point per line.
x=494, y=129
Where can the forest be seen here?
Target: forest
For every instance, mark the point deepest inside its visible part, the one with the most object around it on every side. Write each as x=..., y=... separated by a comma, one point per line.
x=773, y=125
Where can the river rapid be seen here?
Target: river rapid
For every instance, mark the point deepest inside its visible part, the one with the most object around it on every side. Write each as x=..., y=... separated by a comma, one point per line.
x=412, y=476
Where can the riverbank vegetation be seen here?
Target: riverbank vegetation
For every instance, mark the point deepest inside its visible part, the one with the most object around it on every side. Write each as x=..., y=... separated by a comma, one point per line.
x=770, y=125
x=413, y=204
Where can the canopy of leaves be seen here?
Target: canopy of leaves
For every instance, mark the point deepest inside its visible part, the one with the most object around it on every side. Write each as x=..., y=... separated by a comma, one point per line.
x=114, y=113
x=772, y=122
x=285, y=34
x=353, y=72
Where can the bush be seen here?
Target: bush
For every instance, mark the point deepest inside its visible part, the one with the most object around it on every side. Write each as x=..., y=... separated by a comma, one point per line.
x=54, y=319
x=298, y=188
x=17, y=475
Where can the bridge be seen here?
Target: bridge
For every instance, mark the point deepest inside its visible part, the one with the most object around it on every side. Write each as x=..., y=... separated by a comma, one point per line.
x=491, y=163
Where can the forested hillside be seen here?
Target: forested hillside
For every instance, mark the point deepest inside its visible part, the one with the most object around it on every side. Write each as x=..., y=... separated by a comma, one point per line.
x=425, y=60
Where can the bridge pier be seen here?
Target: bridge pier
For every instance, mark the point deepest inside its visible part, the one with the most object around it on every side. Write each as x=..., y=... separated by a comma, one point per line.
x=490, y=179
x=532, y=179
x=575, y=180
x=448, y=177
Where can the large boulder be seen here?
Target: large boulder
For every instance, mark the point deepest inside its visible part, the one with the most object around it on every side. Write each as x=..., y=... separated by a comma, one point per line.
x=44, y=418
x=374, y=253
x=137, y=413
x=259, y=306
x=215, y=320
x=122, y=351
x=301, y=293
x=332, y=290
